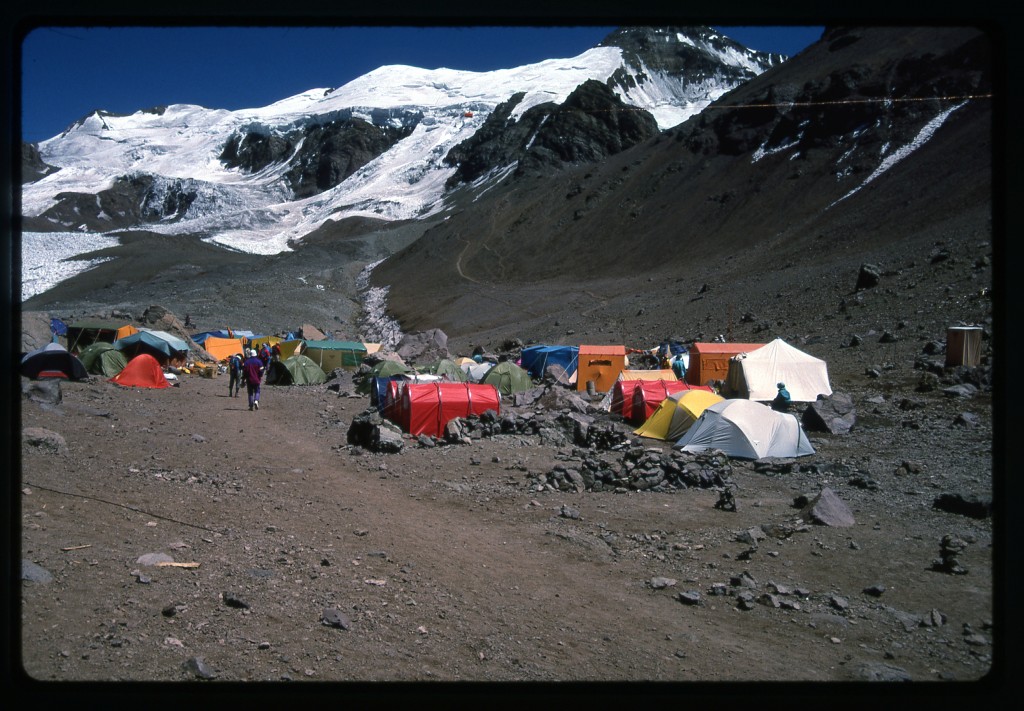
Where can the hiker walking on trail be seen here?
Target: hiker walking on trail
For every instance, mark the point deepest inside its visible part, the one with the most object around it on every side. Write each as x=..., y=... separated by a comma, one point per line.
x=275, y=352
x=235, y=375
x=252, y=371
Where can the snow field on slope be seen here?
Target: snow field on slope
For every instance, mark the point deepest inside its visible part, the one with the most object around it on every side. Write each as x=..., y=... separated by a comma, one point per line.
x=48, y=258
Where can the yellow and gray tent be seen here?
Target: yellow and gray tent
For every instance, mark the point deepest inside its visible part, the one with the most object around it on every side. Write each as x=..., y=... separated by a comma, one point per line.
x=676, y=413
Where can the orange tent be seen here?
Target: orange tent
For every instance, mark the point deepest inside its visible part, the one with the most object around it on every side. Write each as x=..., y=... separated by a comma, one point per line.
x=601, y=364
x=222, y=348
x=142, y=371
x=710, y=361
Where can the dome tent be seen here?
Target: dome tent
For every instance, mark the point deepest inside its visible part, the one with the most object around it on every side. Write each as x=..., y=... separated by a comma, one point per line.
x=142, y=371
x=52, y=361
x=677, y=413
x=297, y=370
x=508, y=378
x=101, y=358
x=447, y=368
x=746, y=430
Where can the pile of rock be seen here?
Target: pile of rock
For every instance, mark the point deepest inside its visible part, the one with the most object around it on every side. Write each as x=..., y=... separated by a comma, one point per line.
x=638, y=468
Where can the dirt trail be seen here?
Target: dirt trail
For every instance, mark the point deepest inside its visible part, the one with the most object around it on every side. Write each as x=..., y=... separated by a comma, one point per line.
x=447, y=564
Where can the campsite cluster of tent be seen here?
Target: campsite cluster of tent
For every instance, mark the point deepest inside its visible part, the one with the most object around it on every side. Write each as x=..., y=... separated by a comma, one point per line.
x=717, y=404
x=694, y=416
x=116, y=351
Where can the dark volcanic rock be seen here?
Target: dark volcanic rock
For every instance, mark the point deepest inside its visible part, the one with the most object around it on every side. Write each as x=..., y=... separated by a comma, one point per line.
x=828, y=509
x=835, y=414
x=868, y=277
x=972, y=506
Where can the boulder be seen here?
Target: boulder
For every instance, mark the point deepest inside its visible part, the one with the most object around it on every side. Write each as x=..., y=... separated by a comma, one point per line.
x=969, y=505
x=47, y=392
x=868, y=277
x=371, y=431
x=44, y=439
x=35, y=330
x=827, y=509
x=835, y=414
x=423, y=346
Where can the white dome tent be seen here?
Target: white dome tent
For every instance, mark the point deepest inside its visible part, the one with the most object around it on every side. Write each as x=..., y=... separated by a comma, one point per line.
x=746, y=430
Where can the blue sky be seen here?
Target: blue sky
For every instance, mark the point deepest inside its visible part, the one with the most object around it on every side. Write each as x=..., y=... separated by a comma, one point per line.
x=67, y=72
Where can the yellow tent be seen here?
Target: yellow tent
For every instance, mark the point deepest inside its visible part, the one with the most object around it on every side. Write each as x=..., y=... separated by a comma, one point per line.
x=257, y=343
x=289, y=348
x=676, y=413
x=647, y=375
x=222, y=348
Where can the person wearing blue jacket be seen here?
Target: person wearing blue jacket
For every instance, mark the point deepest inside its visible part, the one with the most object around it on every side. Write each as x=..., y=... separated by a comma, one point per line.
x=782, y=400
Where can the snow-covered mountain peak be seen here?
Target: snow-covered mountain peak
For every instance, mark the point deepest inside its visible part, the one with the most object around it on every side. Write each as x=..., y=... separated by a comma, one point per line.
x=257, y=179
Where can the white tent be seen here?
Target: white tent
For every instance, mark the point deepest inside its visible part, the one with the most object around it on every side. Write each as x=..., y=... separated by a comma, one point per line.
x=476, y=372
x=746, y=430
x=756, y=375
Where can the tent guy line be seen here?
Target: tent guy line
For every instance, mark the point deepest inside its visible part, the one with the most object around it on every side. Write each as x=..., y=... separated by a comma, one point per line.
x=124, y=506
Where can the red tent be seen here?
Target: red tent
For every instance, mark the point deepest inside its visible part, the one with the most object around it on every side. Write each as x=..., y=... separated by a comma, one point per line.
x=142, y=371
x=648, y=394
x=427, y=407
x=622, y=397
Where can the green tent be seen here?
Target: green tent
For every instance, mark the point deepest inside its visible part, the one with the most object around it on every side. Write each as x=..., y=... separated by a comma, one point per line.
x=297, y=370
x=387, y=368
x=335, y=354
x=384, y=369
x=447, y=369
x=508, y=378
x=101, y=358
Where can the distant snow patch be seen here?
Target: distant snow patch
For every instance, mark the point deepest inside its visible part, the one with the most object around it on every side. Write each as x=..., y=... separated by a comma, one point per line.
x=899, y=154
x=49, y=258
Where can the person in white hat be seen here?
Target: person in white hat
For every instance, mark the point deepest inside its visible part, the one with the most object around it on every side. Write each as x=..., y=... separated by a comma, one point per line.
x=252, y=373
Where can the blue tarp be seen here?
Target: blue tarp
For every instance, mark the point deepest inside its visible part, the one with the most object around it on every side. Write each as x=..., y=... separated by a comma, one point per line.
x=158, y=340
x=200, y=338
x=536, y=358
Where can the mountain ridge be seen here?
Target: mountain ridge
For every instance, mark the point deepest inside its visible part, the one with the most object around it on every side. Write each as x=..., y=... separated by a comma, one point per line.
x=373, y=147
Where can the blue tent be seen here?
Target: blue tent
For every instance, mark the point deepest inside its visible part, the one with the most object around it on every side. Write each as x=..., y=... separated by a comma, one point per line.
x=159, y=344
x=535, y=359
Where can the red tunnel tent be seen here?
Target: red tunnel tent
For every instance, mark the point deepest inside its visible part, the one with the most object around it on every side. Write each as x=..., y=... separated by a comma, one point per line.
x=427, y=407
x=649, y=394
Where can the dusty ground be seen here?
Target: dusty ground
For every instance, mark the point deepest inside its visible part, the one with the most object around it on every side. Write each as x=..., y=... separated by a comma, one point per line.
x=449, y=566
